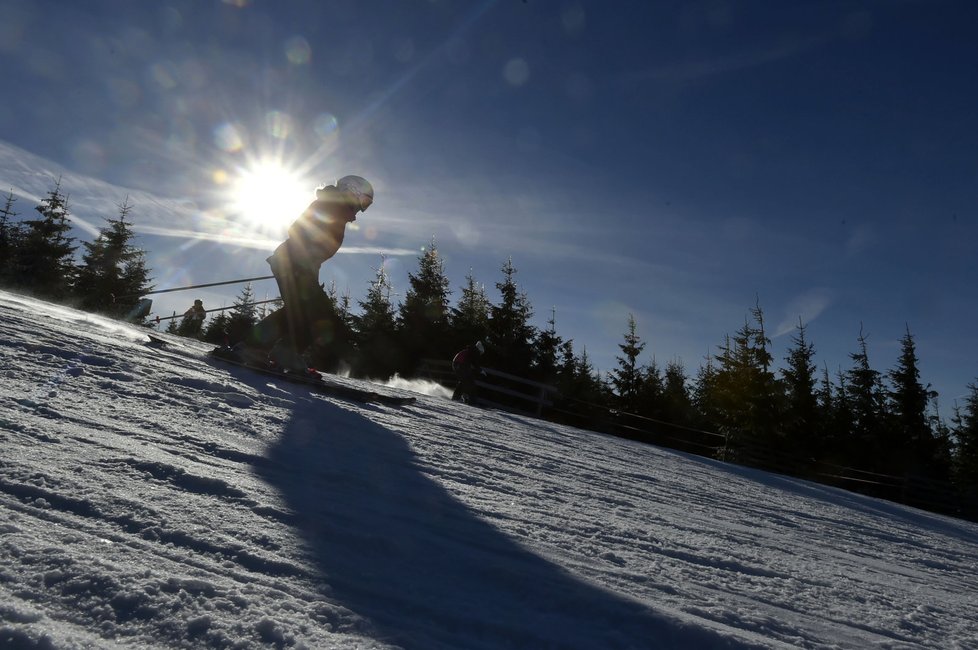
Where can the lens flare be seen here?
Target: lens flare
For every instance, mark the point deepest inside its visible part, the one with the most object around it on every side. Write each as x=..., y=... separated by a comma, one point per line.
x=279, y=124
x=229, y=138
x=297, y=50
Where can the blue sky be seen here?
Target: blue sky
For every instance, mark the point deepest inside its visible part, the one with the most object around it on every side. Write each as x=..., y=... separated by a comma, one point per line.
x=673, y=160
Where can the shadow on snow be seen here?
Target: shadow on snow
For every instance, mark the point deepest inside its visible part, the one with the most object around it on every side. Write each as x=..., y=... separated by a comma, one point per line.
x=397, y=548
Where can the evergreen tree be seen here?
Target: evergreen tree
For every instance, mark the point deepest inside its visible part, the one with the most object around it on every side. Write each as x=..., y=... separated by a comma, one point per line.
x=244, y=315
x=834, y=418
x=651, y=392
x=43, y=262
x=217, y=329
x=566, y=370
x=913, y=445
x=470, y=317
x=677, y=402
x=965, y=430
x=582, y=396
x=745, y=393
x=172, y=327
x=867, y=403
x=705, y=396
x=627, y=378
x=547, y=348
x=423, y=321
x=113, y=273
x=342, y=305
x=377, y=353
x=347, y=319
x=510, y=333
x=800, y=423
x=9, y=238
x=587, y=385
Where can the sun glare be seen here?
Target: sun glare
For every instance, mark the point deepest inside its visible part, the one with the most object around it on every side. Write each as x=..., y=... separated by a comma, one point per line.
x=269, y=195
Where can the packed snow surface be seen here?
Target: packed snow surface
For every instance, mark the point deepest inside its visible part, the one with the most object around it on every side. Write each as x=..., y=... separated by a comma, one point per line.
x=157, y=498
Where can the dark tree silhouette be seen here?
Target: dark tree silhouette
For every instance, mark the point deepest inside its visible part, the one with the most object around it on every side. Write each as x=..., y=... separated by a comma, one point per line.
x=423, y=321
x=627, y=379
x=866, y=399
x=510, y=332
x=470, y=316
x=43, y=262
x=9, y=238
x=801, y=422
x=376, y=331
x=113, y=273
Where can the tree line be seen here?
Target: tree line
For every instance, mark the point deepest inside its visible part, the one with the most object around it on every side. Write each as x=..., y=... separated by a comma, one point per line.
x=860, y=417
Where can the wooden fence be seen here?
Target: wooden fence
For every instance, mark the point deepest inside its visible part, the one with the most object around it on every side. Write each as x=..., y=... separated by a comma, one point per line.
x=499, y=390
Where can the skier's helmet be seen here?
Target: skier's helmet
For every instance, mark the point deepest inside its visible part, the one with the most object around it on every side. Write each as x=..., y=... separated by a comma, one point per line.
x=359, y=187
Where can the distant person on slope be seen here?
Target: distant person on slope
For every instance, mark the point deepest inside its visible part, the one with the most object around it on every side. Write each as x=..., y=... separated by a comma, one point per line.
x=302, y=324
x=467, y=365
x=193, y=320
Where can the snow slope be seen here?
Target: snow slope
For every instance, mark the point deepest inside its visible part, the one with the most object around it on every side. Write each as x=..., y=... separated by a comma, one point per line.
x=154, y=499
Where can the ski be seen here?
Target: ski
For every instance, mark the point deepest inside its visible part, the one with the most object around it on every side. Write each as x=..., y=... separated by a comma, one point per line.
x=314, y=380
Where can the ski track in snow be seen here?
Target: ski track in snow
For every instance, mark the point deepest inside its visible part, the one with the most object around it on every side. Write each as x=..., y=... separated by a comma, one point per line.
x=154, y=498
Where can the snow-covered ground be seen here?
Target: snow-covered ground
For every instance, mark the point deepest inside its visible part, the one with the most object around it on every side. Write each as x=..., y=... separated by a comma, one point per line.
x=154, y=499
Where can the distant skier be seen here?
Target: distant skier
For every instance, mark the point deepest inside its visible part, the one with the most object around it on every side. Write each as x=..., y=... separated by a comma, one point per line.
x=193, y=320
x=467, y=366
x=303, y=324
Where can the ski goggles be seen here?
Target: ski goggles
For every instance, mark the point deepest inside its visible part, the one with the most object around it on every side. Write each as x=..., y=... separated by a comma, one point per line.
x=363, y=200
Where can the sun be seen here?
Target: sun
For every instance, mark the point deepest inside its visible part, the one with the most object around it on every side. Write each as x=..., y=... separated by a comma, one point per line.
x=270, y=195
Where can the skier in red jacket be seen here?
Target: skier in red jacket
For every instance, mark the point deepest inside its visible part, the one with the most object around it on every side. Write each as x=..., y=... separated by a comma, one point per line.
x=467, y=366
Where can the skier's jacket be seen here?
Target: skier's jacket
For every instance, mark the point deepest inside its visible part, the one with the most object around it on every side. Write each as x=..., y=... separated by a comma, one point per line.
x=468, y=358
x=314, y=237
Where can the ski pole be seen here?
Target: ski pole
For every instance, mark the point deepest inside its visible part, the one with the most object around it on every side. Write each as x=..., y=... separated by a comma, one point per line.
x=193, y=286
x=207, y=311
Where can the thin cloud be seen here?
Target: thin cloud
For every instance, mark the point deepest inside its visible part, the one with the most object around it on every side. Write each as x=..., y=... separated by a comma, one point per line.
x=685, y=71
x=807, y=307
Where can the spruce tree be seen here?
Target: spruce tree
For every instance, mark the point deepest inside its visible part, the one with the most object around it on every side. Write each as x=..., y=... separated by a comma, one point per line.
x=588, y=387
x=423, y=320
x=9, y=238
x=244, y=315
x=627, y=378
x=705, y=396
x=217, y=329
x=377, y=353
x=677, y=402
x=344, y=313
x=867, y=403
x=800, y=422
x=745, y=392
x=566, y=370
x=470, y=316
x=113, y=273
x=913, y=445
x=651, y=392
x=835, y=419
x=510, y=332
x=43, y=261
x=965, y=430
x=547, y=347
